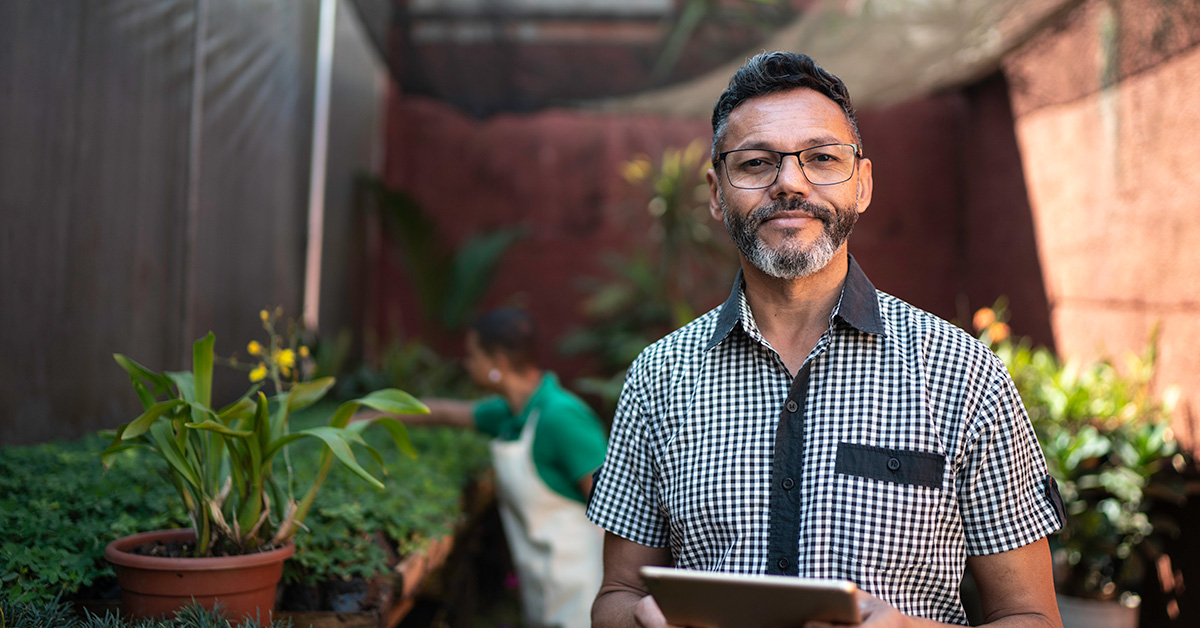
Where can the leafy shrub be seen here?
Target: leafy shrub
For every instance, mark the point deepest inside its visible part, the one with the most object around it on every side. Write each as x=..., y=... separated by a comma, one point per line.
x=680, y=269
x=1108, y=442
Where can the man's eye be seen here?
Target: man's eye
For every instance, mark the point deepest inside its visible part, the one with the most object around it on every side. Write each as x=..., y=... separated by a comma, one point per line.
x=754, y=162
x=823, y=158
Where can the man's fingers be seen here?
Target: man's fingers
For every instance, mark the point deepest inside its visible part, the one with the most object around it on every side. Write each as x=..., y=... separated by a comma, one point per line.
x=648, y=615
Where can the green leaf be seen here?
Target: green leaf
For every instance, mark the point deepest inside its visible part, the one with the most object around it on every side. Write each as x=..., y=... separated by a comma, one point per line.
x=161, y=383
x=396, y=429
x=262, y=426
x=175, y=457
x=215, y=426
x=240, y=410
x=110, y=454
x=335, y=439
x=144, y=394
x=341, y=417
x=305, y=394
x=393, y=401
x=140, y=425
x=185, y=382
x=278, y=444
x=202, y=367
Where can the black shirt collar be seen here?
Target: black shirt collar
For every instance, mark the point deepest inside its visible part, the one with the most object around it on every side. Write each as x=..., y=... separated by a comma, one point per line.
x=858, y=306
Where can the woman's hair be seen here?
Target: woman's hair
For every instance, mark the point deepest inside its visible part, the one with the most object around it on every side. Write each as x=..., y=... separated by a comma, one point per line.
x=509, y=331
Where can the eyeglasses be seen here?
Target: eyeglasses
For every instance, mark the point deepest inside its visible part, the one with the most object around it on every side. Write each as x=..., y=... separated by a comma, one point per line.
x=757, y=168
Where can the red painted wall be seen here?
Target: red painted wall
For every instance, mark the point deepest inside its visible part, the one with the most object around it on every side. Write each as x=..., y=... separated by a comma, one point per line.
x=949, y=228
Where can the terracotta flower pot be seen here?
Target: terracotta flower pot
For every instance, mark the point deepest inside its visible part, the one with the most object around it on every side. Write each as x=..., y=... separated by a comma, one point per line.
x=152, y=586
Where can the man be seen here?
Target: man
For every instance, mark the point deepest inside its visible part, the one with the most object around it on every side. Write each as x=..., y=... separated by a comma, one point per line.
x=811, y=425
x=547, y=442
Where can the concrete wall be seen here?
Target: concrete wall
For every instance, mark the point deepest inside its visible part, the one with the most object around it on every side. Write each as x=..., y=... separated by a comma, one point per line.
x=1107, y=109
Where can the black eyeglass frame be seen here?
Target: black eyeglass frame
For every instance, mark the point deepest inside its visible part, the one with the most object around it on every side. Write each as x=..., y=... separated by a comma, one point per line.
x=779, y=167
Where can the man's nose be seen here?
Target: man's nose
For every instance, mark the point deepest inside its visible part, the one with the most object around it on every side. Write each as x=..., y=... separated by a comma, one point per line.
x=791, y=177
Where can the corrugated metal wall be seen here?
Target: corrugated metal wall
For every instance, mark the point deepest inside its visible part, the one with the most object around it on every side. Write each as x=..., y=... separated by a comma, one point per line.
x=154, y=166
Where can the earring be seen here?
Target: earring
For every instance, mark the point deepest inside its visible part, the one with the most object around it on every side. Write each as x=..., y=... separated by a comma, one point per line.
x=494, y=376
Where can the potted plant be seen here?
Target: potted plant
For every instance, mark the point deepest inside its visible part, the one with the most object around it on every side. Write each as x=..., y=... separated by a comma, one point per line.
x=1109, y=445
x=221, y=462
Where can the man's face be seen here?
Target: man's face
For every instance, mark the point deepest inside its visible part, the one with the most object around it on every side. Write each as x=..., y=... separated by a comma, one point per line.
x=792, y=228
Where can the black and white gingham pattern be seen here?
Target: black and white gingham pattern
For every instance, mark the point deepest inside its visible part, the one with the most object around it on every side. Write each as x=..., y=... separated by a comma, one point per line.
x=691, y=455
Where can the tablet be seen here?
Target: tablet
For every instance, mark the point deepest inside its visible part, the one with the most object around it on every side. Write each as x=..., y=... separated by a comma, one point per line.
x=707, y=599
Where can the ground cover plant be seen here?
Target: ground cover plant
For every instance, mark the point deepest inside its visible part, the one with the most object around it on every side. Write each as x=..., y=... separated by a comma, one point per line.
x=56, y=613
x=58, y=510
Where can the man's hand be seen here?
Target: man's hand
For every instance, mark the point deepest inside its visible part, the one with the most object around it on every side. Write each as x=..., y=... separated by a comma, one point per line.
x=648, y=615
x=623, y=601
x=875, y=613
x=1016, y=590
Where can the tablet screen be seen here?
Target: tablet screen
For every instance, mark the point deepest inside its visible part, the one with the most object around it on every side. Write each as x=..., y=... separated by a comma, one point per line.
x=707, y=599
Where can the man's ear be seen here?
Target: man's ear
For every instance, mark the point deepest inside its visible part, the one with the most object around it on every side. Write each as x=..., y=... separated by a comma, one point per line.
x=714, y=193
x=866, y=185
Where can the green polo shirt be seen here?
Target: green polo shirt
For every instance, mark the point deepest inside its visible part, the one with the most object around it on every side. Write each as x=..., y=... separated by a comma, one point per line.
x=568, y=443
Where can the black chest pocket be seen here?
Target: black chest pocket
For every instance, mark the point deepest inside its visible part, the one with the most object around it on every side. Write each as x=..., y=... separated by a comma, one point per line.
x=917, y=468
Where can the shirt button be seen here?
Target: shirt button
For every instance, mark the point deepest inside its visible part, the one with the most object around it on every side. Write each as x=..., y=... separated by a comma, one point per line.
x=893, y=464
x=791, y=406
x=788, y=483
x=783, y=563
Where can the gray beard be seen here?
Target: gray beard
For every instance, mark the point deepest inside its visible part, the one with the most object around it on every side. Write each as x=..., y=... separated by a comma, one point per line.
x=789, y=260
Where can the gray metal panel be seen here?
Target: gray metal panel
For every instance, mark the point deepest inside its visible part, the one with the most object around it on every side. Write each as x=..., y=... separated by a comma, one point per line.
x=108, y=243
x=93, y=156
x=250, y=223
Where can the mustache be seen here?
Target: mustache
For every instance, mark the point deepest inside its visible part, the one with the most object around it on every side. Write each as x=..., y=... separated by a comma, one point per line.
x=789, y=204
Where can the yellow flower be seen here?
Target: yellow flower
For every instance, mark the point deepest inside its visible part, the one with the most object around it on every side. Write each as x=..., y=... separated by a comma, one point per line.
x=258, y=373
x=303, y=351
x=287, y=372
x=984, y=318
x=264, y=315
x=287, y=358
x=254, y=348
x=637, y=170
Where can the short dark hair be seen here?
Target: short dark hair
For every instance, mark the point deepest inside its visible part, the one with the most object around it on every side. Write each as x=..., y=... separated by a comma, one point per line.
x=509, y=331
x=770, y=72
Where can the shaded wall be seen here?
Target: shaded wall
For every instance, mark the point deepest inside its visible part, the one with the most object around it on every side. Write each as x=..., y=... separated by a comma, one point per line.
x=948, y=229
x=1106, y=108
x=154, y=167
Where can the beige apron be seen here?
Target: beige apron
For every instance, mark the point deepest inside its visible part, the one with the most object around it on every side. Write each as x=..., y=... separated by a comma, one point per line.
x=557, y=552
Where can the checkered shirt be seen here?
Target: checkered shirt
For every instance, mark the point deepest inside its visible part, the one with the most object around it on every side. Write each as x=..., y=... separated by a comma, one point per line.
x=899, y=448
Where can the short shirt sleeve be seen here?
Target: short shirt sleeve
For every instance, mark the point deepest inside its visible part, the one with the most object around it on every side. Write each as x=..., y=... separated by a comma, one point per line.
x=491, y=414
x=625, y=498
x=1006, y=496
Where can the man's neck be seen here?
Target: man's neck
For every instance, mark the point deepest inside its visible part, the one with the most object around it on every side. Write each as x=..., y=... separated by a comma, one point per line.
x=792, y=314
x=518, y=387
